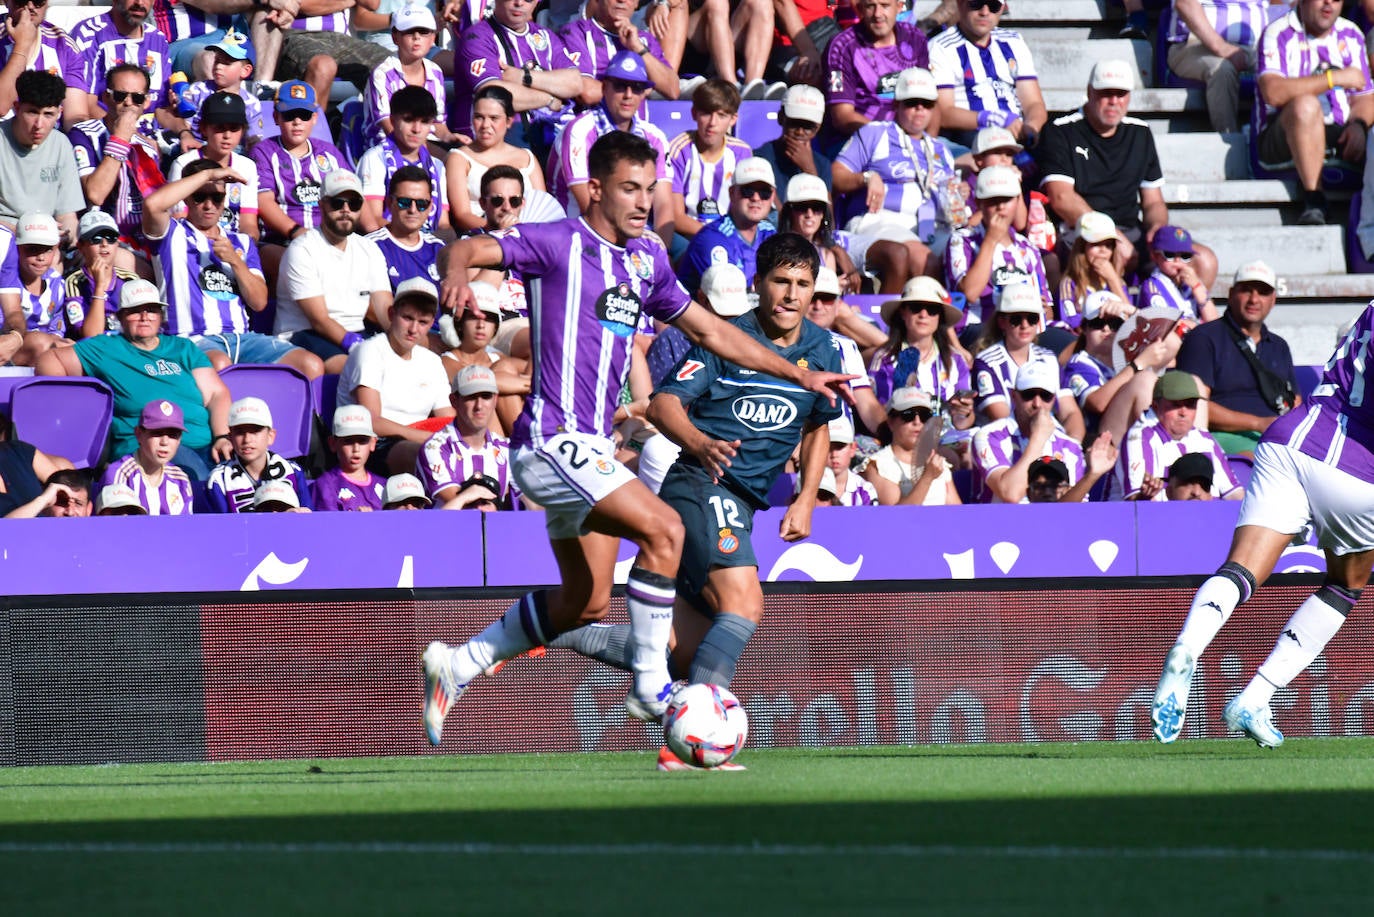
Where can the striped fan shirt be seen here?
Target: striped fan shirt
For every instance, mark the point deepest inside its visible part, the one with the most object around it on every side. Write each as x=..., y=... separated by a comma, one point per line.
x=169, y=496
x=704, y=186
x=982, y=78
x=1286, y=49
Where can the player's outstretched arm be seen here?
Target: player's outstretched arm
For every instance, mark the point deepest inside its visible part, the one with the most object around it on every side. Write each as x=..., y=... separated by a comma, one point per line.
x=815, y=449
x=705, y=328
x=454, y=261
x=669, y=415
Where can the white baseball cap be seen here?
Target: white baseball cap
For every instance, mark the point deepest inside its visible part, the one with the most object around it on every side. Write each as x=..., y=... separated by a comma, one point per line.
x=916, y=83
x=488, y=299
x=119, y=496
x=353, y=420
x=998, y=181
x=1020, y=297
x=139, y=292
x=250, y=412
x=753, y=170
x=904, y=399
x=413, y=16
x=1094, y=301
x=827, y=483
x=278, y=491
x=416, y=288
x=1041, y=374
x=340, y=181
x=403, y=487
x=806, y=187
x=827, y=281
x=1257, y=272
x=842, y=430
x=38, y=228
x=805, y=103
x=474, y=379
x=995, y=138
x=93, y=221
x=1112, y=74
x=726, y=290
x=1095, y=226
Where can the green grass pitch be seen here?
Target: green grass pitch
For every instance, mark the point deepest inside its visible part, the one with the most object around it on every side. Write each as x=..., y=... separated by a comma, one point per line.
x=1202, y=827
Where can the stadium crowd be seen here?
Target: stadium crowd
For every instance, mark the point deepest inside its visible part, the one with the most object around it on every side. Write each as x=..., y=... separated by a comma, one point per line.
x=184, y=187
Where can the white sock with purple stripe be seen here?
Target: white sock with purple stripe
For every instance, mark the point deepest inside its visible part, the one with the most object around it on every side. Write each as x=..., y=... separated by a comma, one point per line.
x=524, y=625
x=649, y=597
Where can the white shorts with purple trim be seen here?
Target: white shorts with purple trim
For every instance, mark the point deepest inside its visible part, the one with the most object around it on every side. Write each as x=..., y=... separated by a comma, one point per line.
x=1289, y=491
x=568, y=475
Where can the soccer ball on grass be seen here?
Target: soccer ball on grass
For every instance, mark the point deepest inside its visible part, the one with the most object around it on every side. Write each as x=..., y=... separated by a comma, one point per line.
x=705, y=725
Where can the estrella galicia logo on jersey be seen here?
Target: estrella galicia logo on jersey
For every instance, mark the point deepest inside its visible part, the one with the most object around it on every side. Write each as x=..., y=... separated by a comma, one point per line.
x=217, y=284
x=728, y=543
x=689, y=369
x=618, y=310
x=642, y=266
x=764, y=412
x=308, y=192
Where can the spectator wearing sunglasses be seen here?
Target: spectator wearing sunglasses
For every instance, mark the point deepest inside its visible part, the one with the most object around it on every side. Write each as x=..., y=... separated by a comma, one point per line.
x=1091, y=268
x=117, y=165
x=735, y=238
x=920, y=349
x=1091, y=372
x=224, y=125
x=410, y=250
x=332, y=281
x=1175, y=282
x=413, y=113
x=1004, y=450
x=212, y=276
x=93, y=289
x=986, y=76
x=892, y=470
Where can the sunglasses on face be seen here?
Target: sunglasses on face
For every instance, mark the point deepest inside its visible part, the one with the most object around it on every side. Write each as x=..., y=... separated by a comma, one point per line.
x=345, y=202
x=824, y=298
x=119, y=95
x=296, y=114
x=917, y=103
x=1176, y=256
x=796, y=124
x=762, y=192
x=910, y=414
x=994, y=6
x=809, y=207
x=497, y=200
x=147, y=309
x=1017, y=319
x=1038, y=394
x=102, y=238
x=626, y=86
x=919, y=308
x=214, y=197
x=420, y=204
x=1098, y=324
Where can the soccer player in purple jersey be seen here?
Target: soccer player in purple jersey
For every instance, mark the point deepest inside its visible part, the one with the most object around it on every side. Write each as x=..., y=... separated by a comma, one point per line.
x=590, y=281
x=1314, y=468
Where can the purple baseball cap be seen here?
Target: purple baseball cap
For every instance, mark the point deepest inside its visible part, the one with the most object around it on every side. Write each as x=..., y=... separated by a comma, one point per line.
x=1174, y=239
x=162, y=415
x=628, y=66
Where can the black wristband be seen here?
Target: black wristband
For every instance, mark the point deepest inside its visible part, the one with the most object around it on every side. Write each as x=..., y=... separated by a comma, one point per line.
x=224, y=436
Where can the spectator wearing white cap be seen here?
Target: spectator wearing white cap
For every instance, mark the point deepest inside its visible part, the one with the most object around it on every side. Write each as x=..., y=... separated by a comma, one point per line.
x=118, y=500
x=1100, y=158
x=332, y=280
x=1003, y=450
x=42, y=291
x=850, y=487
x=413, y=31
x=993, y=146
x=1091, y=267
x=795, y=151
x=986, y=76
x=466, y=465
x=404, y=491
x=233, y=483
x=851, y=335
x=704, y=160
x=735, y=237
x=1247, y=369
x=896, y=178
x=808, y=213
x=1091, y=372
x=350, y=486
x=92, y=290
x=399, y=379
x=276, y=497
x=724, y=291
x=900, y=476
x=472, y=336
x=984, y=259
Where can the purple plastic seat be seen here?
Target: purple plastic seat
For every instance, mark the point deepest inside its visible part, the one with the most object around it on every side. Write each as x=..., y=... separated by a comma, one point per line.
x=66, y=416
x=10, y=376
x=758, y=123
x=287, y=392
x=670, y=117
x=324, y=390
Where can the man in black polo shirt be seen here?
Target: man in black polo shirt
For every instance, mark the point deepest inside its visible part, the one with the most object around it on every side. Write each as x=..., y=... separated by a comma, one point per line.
x=1099, y=158
x=1241, y=407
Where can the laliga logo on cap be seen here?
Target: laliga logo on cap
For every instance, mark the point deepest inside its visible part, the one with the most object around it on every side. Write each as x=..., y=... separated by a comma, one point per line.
x=297, y=91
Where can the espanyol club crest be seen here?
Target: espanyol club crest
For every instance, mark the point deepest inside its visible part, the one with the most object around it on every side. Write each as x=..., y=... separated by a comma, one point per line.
x=641, y=265
x=727, y=542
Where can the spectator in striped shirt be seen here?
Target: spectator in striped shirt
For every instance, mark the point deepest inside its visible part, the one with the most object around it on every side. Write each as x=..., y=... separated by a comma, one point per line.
x=850, y=489
x=236, y=483
x=413, y=112
x=1214, y=42
x=413, y=30
x=604, y=30
x=1162, y=436
x=703, y=161
x=98, y=282
x=224, y=121
x=41, y=289
x=229, y=74
x=465, y=465
x=125, y=34
x=161, y=487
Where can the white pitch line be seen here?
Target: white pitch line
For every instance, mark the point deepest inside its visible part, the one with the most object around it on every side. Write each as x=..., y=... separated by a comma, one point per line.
x=907, y=851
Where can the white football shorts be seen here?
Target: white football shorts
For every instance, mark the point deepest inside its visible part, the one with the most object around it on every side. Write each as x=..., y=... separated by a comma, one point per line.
x=1289, y=490
x=568, y=475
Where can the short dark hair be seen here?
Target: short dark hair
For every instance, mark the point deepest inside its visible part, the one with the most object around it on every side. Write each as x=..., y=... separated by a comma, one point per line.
x=716, y=95
x=787, y=249
x=613, y=148
x=128, y=68
x=73, y=478
x=197, y=166
x=40, y=89
x=496, y=173
x=409, y=173
x=414, y=102
x=499, y=94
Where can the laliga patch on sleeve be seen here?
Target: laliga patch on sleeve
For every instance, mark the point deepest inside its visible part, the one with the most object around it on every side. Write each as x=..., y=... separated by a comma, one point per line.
x=689, y=369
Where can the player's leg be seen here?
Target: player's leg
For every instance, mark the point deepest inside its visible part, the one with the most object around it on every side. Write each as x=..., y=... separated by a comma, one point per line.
x=737, y=597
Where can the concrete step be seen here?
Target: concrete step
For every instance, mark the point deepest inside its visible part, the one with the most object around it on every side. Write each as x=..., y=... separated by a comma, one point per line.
x=1256, y=193
x=1295, y=251
x=1207, y=222
x=1315, y=288
x=1311, y=329
x=1203, y=156
x=1065, y=64
x=1035, y=12
x=1144, y=102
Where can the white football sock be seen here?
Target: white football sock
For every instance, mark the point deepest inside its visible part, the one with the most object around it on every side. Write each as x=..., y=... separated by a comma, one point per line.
x=1212, y=606
x=1303, y=638
x=649, y=599
x=504, y=638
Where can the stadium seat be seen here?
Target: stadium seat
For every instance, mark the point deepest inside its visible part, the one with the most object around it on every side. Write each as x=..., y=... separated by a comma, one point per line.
x=324, y=390
x=1241, y=468
x=66, y=416
x=1308, y=377
x=287, y=392
x=670, y=117
x=758, y=123
x=10, y=376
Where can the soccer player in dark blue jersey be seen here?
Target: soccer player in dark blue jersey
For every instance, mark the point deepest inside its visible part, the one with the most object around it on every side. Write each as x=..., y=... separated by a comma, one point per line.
x=737, y=429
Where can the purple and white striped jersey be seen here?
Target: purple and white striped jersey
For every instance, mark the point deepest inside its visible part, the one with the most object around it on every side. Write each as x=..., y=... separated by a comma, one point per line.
x=447, y=461
x=591, y=47
x=1019, y=262
x=77, y=304
x=329, y=22
x=704, y=186
x=404, y=262
x=481, y=55
x=914, y=171
x=196, y=94
x=1085, y=374
x=201, y=293
x=1240, y=22
x=1285, y=48
x=982, y=78
x=857, y=492
x=294, y=182
x=378, y=164
x=333, y=492
x=1149, y=450
x=994, y=372
x=55, y=53
x=382, y=85
x=169, y=496
x=1000, y=443
x=1336, y=424
x=568, y=161
x=101, y=47
x=9, y=262
x=125, y=201
x=1159, y=290
x=43, y=309
x=231, y=486
x=586, y=297
x=238, y=198
x=178, y=21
